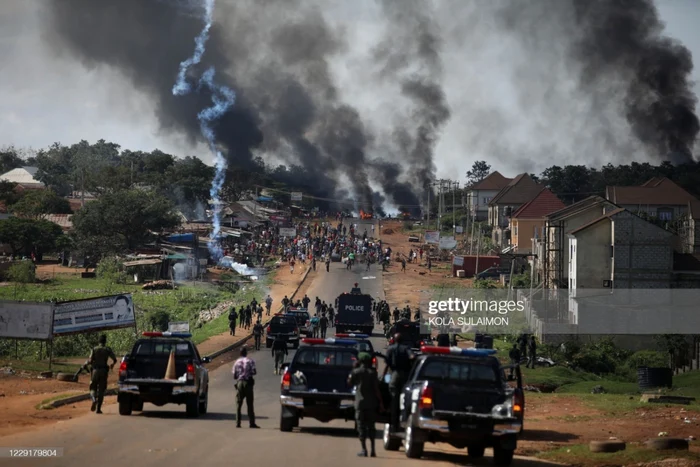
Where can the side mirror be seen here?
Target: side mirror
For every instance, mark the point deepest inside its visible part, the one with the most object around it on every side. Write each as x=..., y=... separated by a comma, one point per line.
x=206, y=360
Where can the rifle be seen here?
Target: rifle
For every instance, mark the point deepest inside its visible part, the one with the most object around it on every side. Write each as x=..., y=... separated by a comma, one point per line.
x=86, y=368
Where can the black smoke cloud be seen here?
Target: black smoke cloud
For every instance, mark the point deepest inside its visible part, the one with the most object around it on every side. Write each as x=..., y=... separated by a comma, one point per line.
x=622, y=42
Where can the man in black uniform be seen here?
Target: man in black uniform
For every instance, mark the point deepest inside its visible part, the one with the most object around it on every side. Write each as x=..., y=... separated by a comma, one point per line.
x=399, y=359
x=305, y=301
x=279, y=351
x=514, y=356
x=257, y=332
x=328, y=263
x=232, y=320
x=100, y=370
x=323, y=325
x=532, y=350
x=285, y=302
x=368, y=399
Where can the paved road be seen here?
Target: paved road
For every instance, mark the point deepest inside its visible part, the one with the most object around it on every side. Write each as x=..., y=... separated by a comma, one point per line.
x=164, y=436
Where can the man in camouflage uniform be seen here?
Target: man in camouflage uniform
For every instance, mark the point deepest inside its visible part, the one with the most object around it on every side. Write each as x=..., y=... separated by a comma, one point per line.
x=98, y=360
x=368, y=400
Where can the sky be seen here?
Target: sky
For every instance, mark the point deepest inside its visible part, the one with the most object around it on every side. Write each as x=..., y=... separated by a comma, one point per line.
x=46, y=97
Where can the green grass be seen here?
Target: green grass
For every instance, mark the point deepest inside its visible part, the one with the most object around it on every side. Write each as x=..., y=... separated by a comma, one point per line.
x=611, y=387
x=557, y=376
x=44, y=405
x=580, y=454
x=39, y=366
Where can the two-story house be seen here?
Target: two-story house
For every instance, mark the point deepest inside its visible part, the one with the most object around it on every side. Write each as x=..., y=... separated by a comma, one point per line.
x=659, y=198
x=528, y=221
x=519, y=191
x=480, y=194
x=551, y=248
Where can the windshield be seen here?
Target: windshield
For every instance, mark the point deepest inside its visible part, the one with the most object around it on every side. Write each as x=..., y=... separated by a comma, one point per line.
x=163, y=349
x=291, y=321
x=452, y=370
x=364, y=347
x=326, y=357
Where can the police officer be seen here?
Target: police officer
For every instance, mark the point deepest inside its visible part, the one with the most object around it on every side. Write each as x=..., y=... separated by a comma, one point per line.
x=232, y=319
x=368, y=399
x=532, y=350
x=399, y=359
x=323, y=325
x=100, y=369
x=514, y=356
x=268, y=304
x=257, y=332
x=279, y=351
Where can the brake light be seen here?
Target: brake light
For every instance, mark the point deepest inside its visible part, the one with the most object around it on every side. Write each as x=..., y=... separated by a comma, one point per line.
x=122, y=368
x=286, y=380
x=190, y=371
x=391, y=341
x=518, y=401
x=374, y=361
x=268, y=330
x=426, y=398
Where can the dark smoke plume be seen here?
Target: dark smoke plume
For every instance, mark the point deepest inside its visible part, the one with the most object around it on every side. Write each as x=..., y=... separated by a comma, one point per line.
x=622, y=41
x=411, y=56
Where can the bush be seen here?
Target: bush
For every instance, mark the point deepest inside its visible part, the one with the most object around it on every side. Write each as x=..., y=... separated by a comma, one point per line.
x=650, y=358
x=158, y=320
x=485, y=284
x=112, y=271
x=23, y=272
x=600, y=357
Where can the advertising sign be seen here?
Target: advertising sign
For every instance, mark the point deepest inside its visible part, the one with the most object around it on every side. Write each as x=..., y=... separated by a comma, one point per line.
x=94, y=314
x=25, y=320
x=179, y=326
x=432, y=236
x=458, y=260
x=448, y=243
x=459, y=229
x=296, y=196
x=290, y=232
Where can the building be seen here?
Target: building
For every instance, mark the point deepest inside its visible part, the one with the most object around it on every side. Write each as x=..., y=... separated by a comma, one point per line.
x=519, y=191
x=24, y=177
x=62, y=220
x=620, y=250
x=528, y=221
x=480, y=194
x=552, y=263
x=689, y=229
x=659, y=198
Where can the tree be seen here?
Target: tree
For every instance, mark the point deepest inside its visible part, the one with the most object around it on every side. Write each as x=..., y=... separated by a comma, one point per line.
x=27, y=236
x=479, y=171
x=10, y=159
x=123, y=220
x=8, y=193
x=33, y=204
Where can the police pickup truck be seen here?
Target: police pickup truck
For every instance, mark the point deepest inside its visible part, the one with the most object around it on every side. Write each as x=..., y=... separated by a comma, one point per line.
x=303, y=319
x=283, y=326
x=410, y=333
x=315, y=385
x=143, y=374
x=458, y=396
x=354, y=312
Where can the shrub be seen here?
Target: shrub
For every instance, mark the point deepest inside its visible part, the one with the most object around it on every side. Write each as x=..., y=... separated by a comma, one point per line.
x=158, y=320
x=112, y=271
x=23, y=272
x=650, y=358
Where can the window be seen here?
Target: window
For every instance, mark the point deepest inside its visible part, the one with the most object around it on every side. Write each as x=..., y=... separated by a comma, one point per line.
x=665, y=214
x=458, y=371
x=182, y=349
x=515, y=229
x=342, y=358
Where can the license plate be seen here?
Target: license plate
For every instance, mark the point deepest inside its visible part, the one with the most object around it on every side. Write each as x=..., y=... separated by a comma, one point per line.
x=323, y=403
x=156, y=389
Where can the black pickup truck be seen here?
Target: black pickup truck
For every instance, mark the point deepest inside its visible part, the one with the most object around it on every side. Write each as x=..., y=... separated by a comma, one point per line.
x=314, y=385
x=460, y=397
x=303, y=319
x=284, y=326
x=410, y=333
x=142, y=376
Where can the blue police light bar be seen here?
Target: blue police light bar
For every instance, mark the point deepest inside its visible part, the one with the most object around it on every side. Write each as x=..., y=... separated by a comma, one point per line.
x=458, y=351
x=183, y=335
x=329, y=341
x=358, y=336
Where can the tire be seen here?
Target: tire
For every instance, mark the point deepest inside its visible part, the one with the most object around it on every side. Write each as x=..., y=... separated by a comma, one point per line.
x=68, y=377
x=192, y=407
x=476, y=451
x=137, y=405
x=606, y=446
x=287, y=424
x=663, y=444
x=502, y=456
x=204, y=404
x=390, y=443
x=125, y=406
x=414, y=449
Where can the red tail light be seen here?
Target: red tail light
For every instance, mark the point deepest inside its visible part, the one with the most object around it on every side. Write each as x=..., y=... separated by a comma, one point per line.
x=122, y=368
x=391, y=341
x=426, y=398
x=518, y=401
x=286, y=380
x=268, y=330
x=190, y=371
x=374, y=361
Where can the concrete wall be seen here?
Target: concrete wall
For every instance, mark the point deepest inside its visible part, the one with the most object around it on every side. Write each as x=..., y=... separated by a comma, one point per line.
x=523, y=231
x=678, y=211
x=590, y=262
x=643, y=253
x=478, y=202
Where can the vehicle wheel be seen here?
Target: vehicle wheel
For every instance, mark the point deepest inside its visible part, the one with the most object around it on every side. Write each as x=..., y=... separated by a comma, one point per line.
x=125, y=406
x=287, y=424
x=192, y=407
x=137, y=405
x=476, y=452
x=204, y=404
x=390, y=443
x=414, y=449
x=502, y=456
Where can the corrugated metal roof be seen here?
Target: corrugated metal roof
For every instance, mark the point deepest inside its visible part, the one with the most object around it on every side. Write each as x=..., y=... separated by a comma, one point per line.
x=22, y=176
x=142, y=262
x=655, y=192
x=64, y=220
x=494, y=181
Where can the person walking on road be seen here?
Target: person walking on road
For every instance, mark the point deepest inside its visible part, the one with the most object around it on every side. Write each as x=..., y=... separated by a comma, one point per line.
x=279, y=351
x=368, y=399
x=532, y=350
x=323, y=325
x=232, y=320
x=399, y=359
x=244, y=373
x=403, y=265
x=514, y=356
x=257, y=332
x=268, y=304
x=291, y=266
x=98, y=360
x=328, y=263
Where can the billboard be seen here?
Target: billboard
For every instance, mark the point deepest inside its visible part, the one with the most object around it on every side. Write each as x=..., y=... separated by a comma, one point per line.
x=94, y=314
x=288, y=232
x=458, y=260
x=296, y=196
x=447, y=243
x=179, y=326
x=26, y=320
x=432, y=236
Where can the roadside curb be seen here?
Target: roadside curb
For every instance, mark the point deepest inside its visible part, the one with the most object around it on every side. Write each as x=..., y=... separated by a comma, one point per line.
x=243, y=340
x=73, y=399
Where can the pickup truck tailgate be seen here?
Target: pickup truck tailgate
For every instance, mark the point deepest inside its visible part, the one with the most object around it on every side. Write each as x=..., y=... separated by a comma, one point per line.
x=153, y=368
x=456, y=397
x=324, y=380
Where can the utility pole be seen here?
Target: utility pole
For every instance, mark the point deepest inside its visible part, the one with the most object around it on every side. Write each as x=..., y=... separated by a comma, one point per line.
x=454, y=225
x=430, y=188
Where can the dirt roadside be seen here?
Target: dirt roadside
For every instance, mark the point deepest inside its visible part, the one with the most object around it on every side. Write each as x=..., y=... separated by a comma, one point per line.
x=22, y=392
